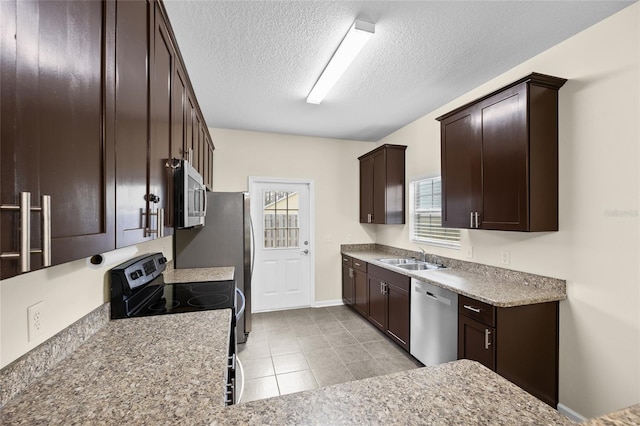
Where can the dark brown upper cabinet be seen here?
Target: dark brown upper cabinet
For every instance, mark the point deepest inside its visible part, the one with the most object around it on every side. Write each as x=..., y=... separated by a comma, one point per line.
x=382, y=182
x=95, y=101
x=500, y=159
x=135, y=27
x=57, y=127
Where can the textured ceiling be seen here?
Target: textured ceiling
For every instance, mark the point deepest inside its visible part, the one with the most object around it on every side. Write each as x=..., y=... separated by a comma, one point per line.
x=252, y=63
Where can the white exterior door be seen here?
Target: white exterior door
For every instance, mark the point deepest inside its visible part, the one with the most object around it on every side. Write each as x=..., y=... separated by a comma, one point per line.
x=281, y=214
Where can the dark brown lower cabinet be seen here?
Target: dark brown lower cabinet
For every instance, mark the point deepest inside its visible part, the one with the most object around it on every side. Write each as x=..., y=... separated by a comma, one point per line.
x=360, y=290
x=347, y=280
x=389, y=303
x=475, y=341
x=520, y=343
x=398, y=312
x=377, y=302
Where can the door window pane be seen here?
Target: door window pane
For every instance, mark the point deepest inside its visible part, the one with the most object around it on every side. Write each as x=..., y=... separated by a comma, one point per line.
x=280, y=212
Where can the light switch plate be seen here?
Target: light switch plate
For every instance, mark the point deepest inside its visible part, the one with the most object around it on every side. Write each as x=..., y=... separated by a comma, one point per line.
x=506, y=258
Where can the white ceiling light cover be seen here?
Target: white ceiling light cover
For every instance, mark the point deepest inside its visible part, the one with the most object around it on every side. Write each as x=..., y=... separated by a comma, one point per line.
x=357, y=36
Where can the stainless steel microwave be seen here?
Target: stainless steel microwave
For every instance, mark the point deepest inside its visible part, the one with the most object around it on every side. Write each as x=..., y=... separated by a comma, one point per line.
x=190, y=196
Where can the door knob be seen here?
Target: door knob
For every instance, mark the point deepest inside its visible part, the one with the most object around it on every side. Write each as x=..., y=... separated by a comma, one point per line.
x=305, y=251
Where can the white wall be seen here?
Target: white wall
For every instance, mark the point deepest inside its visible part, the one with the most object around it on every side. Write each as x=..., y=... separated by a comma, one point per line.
x=69, y=292
x=333, y=166
x=597, y=248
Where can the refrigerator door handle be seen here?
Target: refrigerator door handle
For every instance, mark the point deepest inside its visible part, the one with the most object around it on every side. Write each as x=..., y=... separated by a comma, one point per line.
x=253, y=245
x=244, y=302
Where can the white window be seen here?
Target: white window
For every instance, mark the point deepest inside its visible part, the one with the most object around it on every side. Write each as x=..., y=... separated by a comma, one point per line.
x=425, y=214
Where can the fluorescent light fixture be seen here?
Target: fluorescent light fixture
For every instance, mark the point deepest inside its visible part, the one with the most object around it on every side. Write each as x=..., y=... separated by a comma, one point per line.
x=358, y=35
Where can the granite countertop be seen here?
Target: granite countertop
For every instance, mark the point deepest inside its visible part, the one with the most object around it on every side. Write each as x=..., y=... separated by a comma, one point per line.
x=627, y=416
x=190, y=275
x=148, y=370
x=169, y=369
x=456, y=393
x=500, y=292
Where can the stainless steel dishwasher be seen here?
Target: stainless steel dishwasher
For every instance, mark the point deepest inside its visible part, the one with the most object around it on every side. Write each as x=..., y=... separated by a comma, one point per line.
x=434, y=323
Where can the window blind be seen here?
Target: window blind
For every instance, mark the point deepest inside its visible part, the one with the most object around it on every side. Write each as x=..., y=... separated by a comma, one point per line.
x=426, y=214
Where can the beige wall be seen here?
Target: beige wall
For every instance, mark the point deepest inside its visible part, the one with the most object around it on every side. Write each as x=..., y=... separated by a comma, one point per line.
x=69, y=292
x=331, y=164
x=596, y=251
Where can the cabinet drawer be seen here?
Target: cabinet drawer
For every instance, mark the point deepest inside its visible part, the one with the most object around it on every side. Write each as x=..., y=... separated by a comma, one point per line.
x=360, y=265
x=346, y=260
x=477, y=310
x=387, y=276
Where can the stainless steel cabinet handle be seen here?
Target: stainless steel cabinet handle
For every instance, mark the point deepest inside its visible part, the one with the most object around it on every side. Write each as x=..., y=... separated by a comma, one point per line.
x=487, y=333
x=471, y=220
x=471, y=308
x=369, y=217
x=161, y=222
x=25, y=231
x=24, y=250
x=477, y=220
x=357, y=264
x=350, y=272
x=45, y=217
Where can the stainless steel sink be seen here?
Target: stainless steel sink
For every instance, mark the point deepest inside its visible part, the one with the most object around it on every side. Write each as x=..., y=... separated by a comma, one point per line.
x=398, y=261
x=419, y=266
x=410, y=264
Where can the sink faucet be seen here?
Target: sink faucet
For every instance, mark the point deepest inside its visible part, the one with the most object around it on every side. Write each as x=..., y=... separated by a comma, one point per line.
x=424, y=255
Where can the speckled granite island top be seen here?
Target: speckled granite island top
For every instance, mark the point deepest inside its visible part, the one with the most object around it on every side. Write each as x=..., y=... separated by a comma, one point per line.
x=151, y=370
x=457, y=393
x=501, y=291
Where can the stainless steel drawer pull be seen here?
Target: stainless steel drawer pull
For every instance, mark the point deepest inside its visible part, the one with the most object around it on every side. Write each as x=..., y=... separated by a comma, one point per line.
x=471, y=308
x=357, y=264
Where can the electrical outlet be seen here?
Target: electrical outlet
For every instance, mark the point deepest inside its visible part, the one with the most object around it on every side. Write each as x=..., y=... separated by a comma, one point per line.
x=470, y=252
x=506, y=258
x=35, y=320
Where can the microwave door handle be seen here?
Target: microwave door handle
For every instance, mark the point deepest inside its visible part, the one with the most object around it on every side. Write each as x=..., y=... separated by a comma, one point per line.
x=204, y=197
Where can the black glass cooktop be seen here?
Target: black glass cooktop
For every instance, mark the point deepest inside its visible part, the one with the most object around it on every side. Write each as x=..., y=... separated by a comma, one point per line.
x=186, y=297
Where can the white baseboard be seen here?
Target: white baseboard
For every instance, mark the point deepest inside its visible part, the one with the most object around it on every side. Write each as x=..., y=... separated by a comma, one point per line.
x=325, y=303
x=573, y=415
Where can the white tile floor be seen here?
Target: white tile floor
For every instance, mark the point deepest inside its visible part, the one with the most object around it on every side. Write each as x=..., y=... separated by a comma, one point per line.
x=302, y=349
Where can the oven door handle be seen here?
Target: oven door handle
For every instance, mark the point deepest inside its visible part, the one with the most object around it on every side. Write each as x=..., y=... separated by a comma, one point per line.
x=240, y=374
x=244, y=303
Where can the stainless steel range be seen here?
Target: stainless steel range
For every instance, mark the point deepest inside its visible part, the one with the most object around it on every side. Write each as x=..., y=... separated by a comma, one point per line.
x=138, y=290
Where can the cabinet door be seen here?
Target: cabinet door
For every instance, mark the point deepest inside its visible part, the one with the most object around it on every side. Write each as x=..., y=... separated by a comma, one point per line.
x=377, y=302
x=56, y=130
x=132, y=119
x=460, y=162
x=366, y=190
x=476, y=341
x=178, y=113
x=398, y=314
x=360, y=299
x=189, y=133
x=160, y=146
x=504, y=157
x=347, y=284
x=379, y=188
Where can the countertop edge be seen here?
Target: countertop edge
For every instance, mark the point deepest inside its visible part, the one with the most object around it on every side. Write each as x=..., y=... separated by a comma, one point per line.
x=538, y=295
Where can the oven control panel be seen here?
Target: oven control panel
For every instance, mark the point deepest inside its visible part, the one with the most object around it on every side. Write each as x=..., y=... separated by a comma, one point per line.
x=139, y=271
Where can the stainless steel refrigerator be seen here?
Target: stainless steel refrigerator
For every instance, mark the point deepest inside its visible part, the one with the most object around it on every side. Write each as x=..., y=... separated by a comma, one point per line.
x=225, y=240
